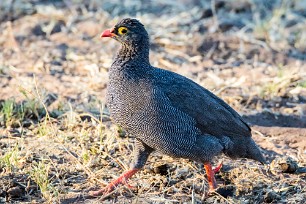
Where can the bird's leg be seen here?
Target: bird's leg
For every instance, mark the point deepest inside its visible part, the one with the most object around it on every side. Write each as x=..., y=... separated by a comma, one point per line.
x=210, y=177
x=141, y=154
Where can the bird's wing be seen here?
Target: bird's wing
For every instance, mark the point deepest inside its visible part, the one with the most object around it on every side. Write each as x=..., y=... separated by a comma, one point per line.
x=213, y=115
x=162, y=126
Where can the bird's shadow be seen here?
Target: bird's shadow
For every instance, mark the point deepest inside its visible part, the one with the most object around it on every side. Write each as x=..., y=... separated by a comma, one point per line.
x=77, y=198
x=268, y=119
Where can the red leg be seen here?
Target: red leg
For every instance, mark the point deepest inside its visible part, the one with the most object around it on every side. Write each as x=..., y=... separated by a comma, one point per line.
x=217, y=169
x=111, y=186
x=210, y=177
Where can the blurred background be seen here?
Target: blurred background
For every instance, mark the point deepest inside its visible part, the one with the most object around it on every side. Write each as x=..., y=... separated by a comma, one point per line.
x=53, y=71
x=200, y=39
x=254, y=48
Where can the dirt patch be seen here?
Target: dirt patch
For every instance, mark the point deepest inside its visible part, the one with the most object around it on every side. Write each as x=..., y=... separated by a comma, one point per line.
x=56, y=138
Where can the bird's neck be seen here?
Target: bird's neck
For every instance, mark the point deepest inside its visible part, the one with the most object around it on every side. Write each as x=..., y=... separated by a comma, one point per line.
x=133, y=55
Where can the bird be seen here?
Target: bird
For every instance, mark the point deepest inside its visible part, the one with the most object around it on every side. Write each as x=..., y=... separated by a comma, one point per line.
x=168, y=112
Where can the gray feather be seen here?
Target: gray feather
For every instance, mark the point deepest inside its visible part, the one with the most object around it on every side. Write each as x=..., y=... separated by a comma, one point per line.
x=168, y=112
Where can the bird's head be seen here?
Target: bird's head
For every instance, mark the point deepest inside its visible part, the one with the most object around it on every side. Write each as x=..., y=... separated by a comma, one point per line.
x=129, y=32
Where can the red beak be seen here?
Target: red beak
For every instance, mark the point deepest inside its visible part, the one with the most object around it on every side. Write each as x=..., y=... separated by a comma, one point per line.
x=108, y=33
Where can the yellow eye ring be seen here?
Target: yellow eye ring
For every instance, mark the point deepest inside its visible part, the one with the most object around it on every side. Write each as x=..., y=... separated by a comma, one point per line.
x=122, y=30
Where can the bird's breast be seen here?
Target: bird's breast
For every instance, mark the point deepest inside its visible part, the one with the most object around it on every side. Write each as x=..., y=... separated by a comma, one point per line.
x=127, y=100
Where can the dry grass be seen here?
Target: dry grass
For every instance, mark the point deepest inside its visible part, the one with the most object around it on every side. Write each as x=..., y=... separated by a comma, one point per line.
x=57, y=139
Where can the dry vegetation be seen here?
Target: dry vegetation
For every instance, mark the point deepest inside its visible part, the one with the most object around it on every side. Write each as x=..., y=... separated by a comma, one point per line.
x=57, y=140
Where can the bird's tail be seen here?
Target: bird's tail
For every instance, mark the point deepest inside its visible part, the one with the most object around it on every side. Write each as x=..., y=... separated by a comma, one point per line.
x=244, y=147
x=253, y=152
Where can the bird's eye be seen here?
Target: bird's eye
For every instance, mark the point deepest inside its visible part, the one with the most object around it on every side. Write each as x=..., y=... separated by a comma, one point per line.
x=122, y=30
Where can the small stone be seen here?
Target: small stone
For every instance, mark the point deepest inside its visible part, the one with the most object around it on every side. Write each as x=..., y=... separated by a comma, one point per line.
x=15, y=192
x=227, y=191
x=284, y=165
x=161, y=169
x=207, y=13
x=38, y=31
x=271, y=196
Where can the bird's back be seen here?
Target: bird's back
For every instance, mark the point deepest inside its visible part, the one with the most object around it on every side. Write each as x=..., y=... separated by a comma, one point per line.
x=212, y=114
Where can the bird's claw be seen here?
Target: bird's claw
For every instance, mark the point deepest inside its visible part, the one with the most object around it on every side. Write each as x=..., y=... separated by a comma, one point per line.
x=102, y=192
x=217, y=169
x=110, y=187
x=130, y=186
x=209, y=193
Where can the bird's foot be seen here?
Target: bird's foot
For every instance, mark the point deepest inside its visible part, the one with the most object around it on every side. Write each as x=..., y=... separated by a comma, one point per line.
x=217, y=169
x=130, y=186
x=97, y=193
x=209, y=193
x=104, y=191
x=210, y=173
x=111, y=186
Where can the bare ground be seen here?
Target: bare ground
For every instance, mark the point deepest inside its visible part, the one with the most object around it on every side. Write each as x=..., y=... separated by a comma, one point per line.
x=57, y=140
